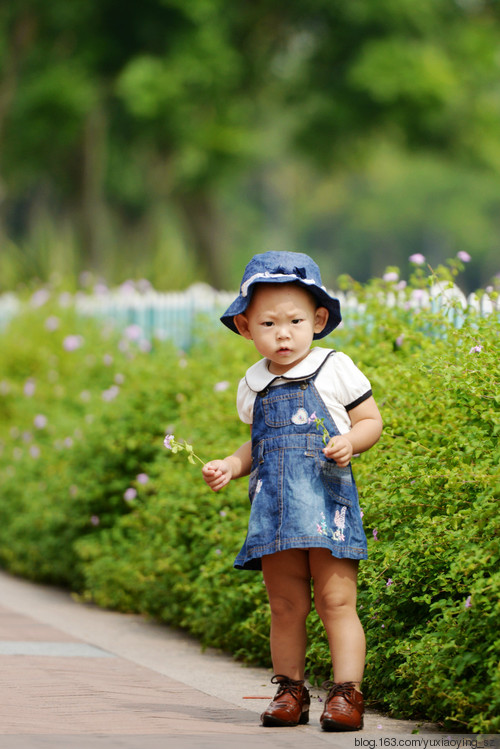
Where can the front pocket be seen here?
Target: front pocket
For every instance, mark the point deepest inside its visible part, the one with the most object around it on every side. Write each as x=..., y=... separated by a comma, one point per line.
x=279, y=409
x=337, y=481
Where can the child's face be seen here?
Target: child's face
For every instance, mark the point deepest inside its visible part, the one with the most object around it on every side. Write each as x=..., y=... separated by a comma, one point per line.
x=281, y=320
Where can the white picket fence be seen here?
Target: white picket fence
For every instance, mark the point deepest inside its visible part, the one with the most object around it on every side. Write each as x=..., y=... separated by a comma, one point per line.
x=148, y=314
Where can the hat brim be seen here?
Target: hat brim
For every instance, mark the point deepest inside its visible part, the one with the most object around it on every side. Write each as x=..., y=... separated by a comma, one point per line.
x=240, y=304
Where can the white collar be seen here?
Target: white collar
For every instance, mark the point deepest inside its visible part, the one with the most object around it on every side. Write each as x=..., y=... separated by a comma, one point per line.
x=259, y=377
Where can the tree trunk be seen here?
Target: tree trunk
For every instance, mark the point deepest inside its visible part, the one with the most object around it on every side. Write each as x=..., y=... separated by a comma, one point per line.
x=18, y=39
x=205, y=226
x=93, y=210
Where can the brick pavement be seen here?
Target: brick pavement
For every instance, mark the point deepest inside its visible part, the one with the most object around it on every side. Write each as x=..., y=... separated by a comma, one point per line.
x=74, y=676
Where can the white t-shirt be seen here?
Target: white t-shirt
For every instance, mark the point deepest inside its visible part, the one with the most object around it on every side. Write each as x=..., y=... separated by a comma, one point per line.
x=341, y=385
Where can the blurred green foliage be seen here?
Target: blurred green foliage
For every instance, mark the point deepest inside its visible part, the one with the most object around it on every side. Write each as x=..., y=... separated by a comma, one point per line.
x=89, y=497
x=174, y=139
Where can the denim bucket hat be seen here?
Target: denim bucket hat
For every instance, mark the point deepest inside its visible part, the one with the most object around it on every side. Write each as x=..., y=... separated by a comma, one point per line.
x=283, y=267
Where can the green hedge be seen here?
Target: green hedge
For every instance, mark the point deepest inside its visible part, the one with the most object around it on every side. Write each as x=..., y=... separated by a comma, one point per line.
x=90, y=499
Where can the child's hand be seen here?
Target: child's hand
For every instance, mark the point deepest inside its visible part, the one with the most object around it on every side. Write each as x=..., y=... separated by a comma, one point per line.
x=340, y=450
x=217, y=474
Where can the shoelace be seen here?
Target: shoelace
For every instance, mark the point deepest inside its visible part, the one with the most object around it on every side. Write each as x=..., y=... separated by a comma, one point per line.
x=287, y=686
x=344, y=690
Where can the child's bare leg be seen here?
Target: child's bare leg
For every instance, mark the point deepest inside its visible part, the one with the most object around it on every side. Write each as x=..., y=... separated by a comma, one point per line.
x=287, y=579
x=335, y=584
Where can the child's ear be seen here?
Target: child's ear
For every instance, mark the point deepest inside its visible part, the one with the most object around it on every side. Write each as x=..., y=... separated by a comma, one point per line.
x=242, y=326
x=320, y=319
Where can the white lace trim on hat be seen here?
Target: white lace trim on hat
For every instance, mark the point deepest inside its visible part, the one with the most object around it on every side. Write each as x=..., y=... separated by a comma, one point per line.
x=266, y=274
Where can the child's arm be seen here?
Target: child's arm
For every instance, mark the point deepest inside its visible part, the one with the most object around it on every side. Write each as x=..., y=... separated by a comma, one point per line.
x=366, y=429
x=218, y=473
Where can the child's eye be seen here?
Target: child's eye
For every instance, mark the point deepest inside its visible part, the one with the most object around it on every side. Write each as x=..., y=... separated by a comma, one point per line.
x=296, y=322
x=268, y=324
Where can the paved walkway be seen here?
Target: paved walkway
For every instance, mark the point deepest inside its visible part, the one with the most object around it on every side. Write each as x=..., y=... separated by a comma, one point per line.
x=78, y=677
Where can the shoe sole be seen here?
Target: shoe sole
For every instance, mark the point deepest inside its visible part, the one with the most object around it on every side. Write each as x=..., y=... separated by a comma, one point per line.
x=333, y=725
x=268, y=721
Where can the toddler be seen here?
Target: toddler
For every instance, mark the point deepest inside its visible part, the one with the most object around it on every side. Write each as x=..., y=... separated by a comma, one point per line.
x=310, y=410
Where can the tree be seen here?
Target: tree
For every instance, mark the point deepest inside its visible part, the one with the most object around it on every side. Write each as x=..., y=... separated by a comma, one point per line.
x=114, y=109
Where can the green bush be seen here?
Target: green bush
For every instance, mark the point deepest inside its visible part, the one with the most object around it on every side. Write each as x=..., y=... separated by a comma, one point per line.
x=428, y=595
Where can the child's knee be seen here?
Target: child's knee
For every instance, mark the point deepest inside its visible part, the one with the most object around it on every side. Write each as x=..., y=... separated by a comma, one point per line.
x=290, y=606
x=333, y=604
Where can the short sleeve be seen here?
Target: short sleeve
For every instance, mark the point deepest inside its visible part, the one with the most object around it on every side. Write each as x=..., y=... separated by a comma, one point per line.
x=342, y=387
x=245, y=399
x=350, y=385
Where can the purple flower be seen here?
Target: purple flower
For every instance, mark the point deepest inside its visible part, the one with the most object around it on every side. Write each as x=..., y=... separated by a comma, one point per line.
x=219, y=387
x=40, y=298
x=133, y=332
x=29, y=388
x=391, y=276
x=144, y=346
x=72, y=342
x=312, y=417
x=65, y=299
x=143, y=285
x=40, y=421
x=468, y=602
x=130, y=494
x=127, y=287
x=417, y=258
x=476, y=349
x=142, y=478
x=375, y=532
x=51, y=323
x=172, y=444
x=100, y=289
x=110, y=393
x=95, y=520
x=389, y=582
x=464, y=256
x=399, y=340
x=35, y=451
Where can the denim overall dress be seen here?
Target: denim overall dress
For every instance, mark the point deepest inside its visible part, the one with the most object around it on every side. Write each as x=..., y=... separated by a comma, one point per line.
x=299, y=498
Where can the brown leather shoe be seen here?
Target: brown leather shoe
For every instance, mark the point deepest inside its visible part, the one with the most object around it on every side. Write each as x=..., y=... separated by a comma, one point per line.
x=344, y=708
x=290, y=705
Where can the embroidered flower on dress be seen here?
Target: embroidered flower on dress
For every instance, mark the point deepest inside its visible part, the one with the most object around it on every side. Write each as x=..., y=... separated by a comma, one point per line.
x=322, y=529
x=340, y=518
x=300, y=417
x=336, y=535
x=340, y=523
